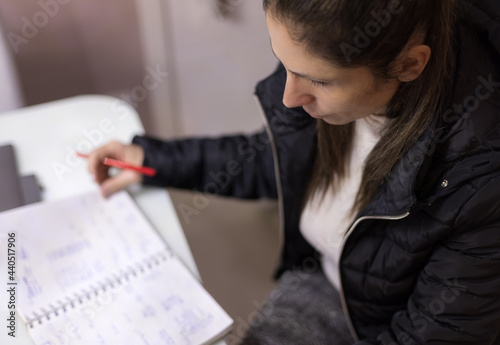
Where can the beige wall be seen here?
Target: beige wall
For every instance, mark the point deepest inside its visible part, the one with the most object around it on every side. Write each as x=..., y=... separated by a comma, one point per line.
x=79, y=47
x=10, y=97
x=219, y=60
x=64, y=48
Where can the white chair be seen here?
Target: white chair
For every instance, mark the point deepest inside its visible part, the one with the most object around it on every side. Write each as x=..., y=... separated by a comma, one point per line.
x=11, y=95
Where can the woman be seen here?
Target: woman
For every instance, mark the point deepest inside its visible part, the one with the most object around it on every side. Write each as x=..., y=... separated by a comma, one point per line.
x=383, y=148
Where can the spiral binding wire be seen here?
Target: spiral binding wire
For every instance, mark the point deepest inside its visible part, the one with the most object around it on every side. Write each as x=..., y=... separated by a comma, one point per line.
x=116, y=279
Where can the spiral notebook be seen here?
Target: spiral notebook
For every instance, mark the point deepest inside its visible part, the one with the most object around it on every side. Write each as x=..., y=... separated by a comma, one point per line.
x=94, y=271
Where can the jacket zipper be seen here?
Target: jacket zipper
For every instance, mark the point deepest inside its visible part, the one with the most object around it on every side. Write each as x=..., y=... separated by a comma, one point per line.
x=342, y=246
x=276, y=175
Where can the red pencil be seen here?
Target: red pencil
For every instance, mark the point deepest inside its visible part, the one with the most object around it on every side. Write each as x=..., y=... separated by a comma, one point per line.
x=122, y=165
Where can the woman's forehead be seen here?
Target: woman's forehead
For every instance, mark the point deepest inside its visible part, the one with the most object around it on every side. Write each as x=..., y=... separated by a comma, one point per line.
x=299, y=60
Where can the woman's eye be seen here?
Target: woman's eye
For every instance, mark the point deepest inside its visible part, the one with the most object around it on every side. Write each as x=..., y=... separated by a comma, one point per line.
x=319, y=83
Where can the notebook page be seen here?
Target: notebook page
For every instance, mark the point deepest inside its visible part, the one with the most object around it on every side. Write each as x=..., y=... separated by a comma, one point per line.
x=69, y=246
x=164, y=306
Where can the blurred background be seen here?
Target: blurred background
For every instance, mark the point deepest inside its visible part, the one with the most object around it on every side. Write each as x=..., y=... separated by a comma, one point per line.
x=212, y=50
x=205, y=57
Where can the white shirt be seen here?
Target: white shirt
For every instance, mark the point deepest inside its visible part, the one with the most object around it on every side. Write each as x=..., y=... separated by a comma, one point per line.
x=324, y=222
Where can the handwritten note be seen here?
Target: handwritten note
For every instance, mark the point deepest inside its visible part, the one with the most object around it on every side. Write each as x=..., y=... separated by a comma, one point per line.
x=93, y=271
x=73, y=244
x=164, y=306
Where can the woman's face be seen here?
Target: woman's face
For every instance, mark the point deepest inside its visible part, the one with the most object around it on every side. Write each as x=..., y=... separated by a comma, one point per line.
x=336, y=95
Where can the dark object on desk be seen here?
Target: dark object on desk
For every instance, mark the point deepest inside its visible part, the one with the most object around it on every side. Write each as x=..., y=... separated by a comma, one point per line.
x=15, y=190
x=11, y=194
x=30, y=189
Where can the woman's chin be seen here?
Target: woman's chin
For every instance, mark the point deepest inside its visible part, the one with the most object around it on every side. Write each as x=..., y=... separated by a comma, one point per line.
x=336, y=120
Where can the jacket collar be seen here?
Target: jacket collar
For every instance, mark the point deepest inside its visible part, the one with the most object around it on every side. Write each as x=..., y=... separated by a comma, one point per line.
x=397, y=195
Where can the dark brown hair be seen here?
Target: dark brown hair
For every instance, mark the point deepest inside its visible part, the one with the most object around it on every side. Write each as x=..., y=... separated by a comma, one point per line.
x=373, y=33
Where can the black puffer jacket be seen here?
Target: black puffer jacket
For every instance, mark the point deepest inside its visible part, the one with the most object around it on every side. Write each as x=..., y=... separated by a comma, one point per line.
x=421, y=264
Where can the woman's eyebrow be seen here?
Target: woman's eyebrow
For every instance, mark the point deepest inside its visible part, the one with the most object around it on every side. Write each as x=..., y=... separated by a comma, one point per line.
x=305, y=76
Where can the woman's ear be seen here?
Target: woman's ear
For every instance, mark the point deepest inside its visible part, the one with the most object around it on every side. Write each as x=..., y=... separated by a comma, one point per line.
x=413, y=62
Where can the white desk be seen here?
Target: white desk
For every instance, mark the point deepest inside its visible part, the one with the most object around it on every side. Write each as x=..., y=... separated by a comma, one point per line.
x=45, y=138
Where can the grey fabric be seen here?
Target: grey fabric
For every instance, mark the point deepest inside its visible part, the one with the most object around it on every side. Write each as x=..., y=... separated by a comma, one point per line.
x=303, y=309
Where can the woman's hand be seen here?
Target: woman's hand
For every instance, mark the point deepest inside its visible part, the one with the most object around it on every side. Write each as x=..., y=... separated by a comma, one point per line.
x=132, y=154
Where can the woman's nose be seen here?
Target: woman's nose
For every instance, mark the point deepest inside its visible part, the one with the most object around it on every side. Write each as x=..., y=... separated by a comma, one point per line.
x=296, y=92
